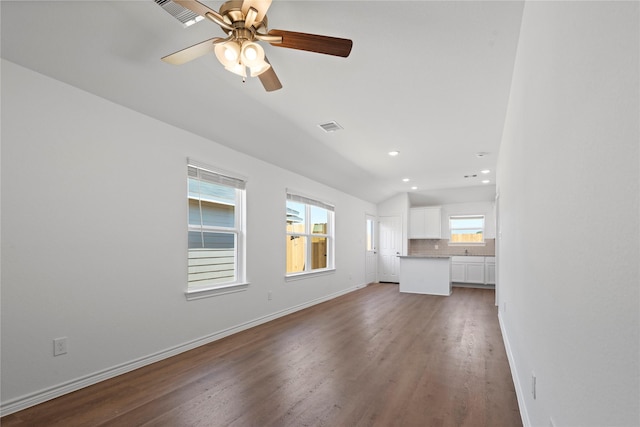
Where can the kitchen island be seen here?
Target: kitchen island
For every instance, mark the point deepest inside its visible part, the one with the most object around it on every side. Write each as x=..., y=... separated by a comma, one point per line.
x=425, y=275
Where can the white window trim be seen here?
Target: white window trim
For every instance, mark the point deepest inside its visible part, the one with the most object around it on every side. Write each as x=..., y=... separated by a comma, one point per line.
x=484, y=230
x=306, y=274
x=240, y=284
x=314, y=201
x=195, y=294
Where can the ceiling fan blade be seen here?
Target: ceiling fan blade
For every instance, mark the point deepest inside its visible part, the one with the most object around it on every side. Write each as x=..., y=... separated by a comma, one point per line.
x=313, y=43
x=192, y=52
x=203, y=10
x=270, y=80
x=261, y=6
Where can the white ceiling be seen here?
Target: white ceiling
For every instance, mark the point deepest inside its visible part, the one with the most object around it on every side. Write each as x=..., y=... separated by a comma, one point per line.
x=428, y=78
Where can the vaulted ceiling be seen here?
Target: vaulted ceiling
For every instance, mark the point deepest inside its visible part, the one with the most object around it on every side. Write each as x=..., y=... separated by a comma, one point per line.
x=430, y=79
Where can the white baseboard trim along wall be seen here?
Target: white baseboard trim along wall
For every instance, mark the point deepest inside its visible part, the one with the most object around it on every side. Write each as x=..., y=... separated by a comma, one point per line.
x=44, y=395
x=514, y=374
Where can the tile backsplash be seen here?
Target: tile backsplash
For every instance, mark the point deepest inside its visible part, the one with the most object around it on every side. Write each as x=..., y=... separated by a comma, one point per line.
x=427, y=247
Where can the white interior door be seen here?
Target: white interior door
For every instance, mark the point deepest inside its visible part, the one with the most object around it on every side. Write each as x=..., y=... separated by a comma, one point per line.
x=371, y=263
x=390, y=246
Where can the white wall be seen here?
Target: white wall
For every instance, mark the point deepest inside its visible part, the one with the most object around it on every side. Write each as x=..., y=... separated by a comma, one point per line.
x=569, y=215
x=94, y=240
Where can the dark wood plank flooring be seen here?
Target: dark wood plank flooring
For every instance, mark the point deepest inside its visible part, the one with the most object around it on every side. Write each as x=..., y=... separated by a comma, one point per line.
x=374, y=357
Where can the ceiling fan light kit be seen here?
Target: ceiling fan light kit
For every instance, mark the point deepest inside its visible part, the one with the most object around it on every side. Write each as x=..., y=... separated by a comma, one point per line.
x=227, y=53
x=252, y=56
x=245, y=23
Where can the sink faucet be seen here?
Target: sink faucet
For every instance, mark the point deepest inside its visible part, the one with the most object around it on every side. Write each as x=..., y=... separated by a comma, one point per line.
x=466, y=252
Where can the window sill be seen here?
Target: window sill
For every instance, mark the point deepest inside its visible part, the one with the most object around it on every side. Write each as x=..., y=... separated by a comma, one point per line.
x=307, y=274
x=466, y=244
x=215, y=291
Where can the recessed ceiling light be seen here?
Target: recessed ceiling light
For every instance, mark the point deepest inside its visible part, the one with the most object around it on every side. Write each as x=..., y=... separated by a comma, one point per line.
x=393, y=153
x=485, y=181
x=405, y=180
x=485, y=171
x=414, y=188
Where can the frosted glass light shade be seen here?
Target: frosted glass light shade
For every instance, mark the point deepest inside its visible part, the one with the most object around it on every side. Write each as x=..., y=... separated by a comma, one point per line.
x=252, y=54
x=228, y=53
x=259, y=69
x=238, y=69
x=236, y=58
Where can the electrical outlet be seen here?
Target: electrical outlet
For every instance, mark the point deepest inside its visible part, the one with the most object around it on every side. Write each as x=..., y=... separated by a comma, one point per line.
x=60, y=346
x=436, y=247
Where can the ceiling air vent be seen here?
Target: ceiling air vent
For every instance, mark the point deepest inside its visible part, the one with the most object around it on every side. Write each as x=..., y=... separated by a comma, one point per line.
x=330, y=127
x=182, y=14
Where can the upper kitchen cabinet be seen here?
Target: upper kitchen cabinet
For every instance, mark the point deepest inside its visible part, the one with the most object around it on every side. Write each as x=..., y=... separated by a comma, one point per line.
x=425, y=222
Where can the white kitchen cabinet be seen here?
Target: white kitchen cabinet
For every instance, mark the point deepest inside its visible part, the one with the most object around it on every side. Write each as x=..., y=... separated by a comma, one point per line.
x=490, y=270
x=425, y=223
x=458, y=272
x=469, y=269
x=475, y=272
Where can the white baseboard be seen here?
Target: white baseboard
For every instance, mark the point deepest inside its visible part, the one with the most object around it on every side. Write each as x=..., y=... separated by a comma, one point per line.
x=32, y=399
x=520, y=392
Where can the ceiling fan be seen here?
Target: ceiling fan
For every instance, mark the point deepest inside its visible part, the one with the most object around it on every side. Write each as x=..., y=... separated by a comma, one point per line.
x=245, y=23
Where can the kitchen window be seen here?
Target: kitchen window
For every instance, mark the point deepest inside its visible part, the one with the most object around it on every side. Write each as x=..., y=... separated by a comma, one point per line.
x=466, y=229
x=309, y=237
x=215, y=232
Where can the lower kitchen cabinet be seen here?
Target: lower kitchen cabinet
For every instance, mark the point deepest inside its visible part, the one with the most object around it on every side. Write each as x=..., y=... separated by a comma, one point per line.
x=490, y=270
x=473, y=269
x=475, y=272
x=458, y=272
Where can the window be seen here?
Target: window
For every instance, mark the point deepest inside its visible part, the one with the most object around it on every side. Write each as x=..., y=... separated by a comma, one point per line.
x=215, y=229
x=370, y=236
x=309, y=235
x=466, y=229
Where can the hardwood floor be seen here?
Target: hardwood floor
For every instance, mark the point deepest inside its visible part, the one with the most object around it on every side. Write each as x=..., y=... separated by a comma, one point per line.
x=374, y=357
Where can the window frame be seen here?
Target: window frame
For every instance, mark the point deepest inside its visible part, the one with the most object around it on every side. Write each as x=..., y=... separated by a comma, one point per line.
x=308, y=234
x=468, y=216
x=228, y=179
